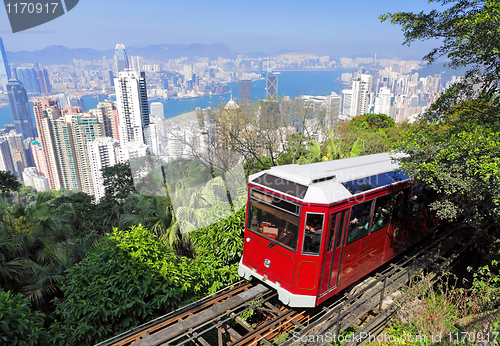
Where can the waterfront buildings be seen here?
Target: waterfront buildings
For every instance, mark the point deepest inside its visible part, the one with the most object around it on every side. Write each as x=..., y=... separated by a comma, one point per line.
x=18, y=100
x=271, y=86
x=245, y=91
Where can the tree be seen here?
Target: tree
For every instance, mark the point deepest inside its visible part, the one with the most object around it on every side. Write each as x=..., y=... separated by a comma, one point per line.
x=8, y=183
x=458, y=157
x=118, y=182
x=469, y=32
x=455, y=148
x=20, y=325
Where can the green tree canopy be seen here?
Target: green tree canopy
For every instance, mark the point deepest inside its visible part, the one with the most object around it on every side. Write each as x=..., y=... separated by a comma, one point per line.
x=8, y=183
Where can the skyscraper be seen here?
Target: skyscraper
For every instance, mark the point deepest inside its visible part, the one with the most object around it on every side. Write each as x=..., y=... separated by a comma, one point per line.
x=4, y=67
x=121, y=59
x=20, y=110
x=132, y=105
x=46, y=111
x=245, y=91
x=43, y=80
x=374, y=73
x=29, y=78
x=346, y=101
x=6, y=163
x=84, y=129
x=271, y=86
x=361, y=88
x=102, y=153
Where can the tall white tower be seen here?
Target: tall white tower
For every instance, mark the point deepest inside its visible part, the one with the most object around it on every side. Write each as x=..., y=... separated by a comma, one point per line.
x=361, y=88
x=132, y=105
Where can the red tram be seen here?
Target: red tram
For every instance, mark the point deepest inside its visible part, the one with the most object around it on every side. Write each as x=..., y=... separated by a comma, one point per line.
x=312, y=230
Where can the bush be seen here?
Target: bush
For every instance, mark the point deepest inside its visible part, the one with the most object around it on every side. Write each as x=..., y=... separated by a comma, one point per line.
x=18, y=324
x=133, y=278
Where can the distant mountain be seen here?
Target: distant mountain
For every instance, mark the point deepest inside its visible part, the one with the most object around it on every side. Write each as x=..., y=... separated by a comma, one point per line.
x=440, y=68
x=60, y=55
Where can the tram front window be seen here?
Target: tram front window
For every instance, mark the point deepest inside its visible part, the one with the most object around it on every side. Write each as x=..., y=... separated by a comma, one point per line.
x=272, y=222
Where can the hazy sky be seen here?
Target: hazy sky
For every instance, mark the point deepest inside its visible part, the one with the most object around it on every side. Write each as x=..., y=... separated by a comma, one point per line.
x=324, y=27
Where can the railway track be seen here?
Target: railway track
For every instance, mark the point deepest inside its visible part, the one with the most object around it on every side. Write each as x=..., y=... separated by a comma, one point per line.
x=215, y=320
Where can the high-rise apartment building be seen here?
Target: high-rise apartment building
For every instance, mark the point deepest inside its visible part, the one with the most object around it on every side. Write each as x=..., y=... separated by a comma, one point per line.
x=361, y=88
x=102, y=152
x=384, y=102
x=18, y=153
x=132, y=105
x=4, y=67
x=46, y=111
x=85, y=128
x=39, y=158
x=271, y=86
x=121, y=59
x=346, y=101
x=29, y=78
x=245, y=91
x=37, y=181
x=21, y=113
x=6, y=163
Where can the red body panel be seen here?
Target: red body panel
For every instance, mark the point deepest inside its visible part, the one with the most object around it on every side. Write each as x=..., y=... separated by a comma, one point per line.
x=331, y=271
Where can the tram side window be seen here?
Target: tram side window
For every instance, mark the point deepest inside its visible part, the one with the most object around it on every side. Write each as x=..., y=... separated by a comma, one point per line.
x=359, y=223
x=333, y=222
x=401, y=209
x=416, y=198
x=340, y=229
x=382, y=212
x=313, y=233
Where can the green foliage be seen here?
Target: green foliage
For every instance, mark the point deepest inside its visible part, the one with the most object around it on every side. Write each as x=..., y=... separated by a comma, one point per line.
x=19, y=325
x=118, y=181
x=457, y=156
x=8, y=183
x=223, y=240
x=468, y=32
x=333, y=149
x=133, y=278
x=372, y=121
x=379, y=132
x=485, y=288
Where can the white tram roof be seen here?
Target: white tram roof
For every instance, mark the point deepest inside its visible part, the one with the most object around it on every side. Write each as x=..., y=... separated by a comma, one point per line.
x=332, y=181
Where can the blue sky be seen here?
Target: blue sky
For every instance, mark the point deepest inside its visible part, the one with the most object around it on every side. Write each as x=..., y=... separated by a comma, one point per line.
x=323, y=27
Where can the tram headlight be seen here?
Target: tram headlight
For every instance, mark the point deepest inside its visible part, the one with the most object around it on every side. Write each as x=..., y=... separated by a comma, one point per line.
x=267, y=263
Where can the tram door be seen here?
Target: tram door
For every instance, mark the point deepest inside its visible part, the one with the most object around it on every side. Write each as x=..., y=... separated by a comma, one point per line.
x=333, y=251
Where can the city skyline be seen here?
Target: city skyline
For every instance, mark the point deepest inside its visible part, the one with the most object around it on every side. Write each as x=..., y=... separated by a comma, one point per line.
x=321, y=27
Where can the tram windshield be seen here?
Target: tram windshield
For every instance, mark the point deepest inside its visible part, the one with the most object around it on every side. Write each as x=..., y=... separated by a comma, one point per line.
x=274, y=218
